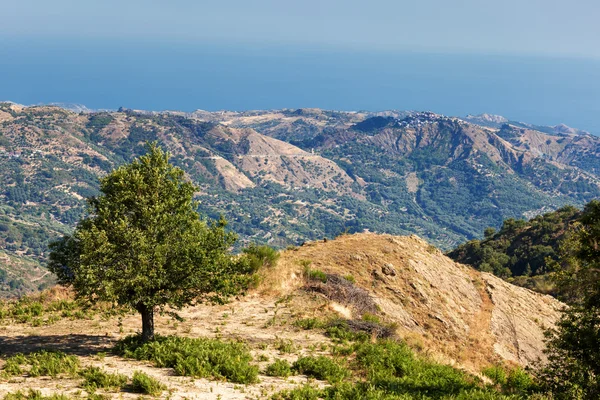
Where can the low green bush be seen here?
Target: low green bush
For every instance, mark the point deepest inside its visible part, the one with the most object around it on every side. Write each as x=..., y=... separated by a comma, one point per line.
x=496, y=373
x=309, y=323
x=261, y=256
x=201, y=358
x=41, y=363
x=285, y=346
x=340, y=331
x=33, y=395
x=280, y=368
x=96, y=378
x=519, y=381
x=389, y=370
x=323, y=368
x=145, y=384
x=315, y=275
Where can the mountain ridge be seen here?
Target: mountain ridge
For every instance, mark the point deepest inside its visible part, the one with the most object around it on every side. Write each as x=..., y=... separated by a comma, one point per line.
x=286, y=176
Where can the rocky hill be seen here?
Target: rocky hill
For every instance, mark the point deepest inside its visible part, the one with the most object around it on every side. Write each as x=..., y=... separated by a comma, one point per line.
x=380, y=284
x=288, y=176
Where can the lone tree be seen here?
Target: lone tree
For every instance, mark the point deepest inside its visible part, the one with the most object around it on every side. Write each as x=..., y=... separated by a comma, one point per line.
x=145, y=247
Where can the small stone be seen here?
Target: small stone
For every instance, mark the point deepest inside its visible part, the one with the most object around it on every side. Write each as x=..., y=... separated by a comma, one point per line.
x=388, y=269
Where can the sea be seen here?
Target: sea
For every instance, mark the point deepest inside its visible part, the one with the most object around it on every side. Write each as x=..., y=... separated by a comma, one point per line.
x=157, y=76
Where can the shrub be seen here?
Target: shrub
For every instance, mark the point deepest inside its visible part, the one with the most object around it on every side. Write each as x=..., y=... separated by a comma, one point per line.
x=280, y=368
x=322, y=368
x=285, y=346
x=96, y=378
x=309, y=323
x=261, y=256
x=519, y=381
x=315, y=275
x=340, y=330
x=42, y=363
x=496, y=373
x=202, y=358
x=306, y=392
x=145, y=384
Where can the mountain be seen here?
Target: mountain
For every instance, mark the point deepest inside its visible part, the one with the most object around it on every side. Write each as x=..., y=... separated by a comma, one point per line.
x=287, y=176
x=454, y=323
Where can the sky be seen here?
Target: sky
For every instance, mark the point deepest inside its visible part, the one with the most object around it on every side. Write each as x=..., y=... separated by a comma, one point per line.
x=544, y=27
x=535, y=61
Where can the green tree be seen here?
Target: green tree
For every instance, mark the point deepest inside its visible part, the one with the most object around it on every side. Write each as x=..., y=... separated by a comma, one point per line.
x=144, y=246
x=573, y=371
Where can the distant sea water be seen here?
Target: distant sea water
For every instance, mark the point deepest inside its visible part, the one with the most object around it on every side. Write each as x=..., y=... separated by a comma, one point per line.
x=158, y=76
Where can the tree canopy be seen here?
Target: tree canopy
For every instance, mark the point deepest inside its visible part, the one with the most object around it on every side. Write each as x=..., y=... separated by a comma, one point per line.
x=144, y=245
x=574, y=368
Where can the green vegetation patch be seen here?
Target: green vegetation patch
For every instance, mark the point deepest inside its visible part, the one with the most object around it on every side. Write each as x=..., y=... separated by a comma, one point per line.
x=201, y=358
x=145, y=384
x=34, y=395
x=280, y=368
x=96, y=378
x=323, y=368
x=388, y=369
x=41, y=363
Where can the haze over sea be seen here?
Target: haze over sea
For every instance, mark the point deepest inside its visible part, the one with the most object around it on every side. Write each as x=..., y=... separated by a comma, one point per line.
x=161, y=76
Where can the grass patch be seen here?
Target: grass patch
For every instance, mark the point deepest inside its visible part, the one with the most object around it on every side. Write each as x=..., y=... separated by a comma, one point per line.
x=315, y=275
x=200, y=358
x=261, y=256
x=310, y=323
x=323, y=368
x=41, y=363
x=145, y=384
x=96, y=378
x=285, y=346
x=34, y=395
x=389, y=369
x=280, y=368
x=43, y=309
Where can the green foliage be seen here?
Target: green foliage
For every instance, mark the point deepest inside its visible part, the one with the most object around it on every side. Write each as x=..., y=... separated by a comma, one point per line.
x=280, y=368
x=496, y=373
x=323, y=368
x=41, y=363
x=574, y=362
x=340, y=331
x=38, y=310
x=96, y=378
x=520, y=248
x=390, y=370
x=145, y=384
x=310, y=323
x=202, y=358
x=144, y=246
x=34, y=395
x=285, y=346
x=315, y=275
x=261, y=256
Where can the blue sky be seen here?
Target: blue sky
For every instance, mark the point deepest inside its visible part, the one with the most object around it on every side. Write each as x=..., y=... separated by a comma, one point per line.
x=546, y=27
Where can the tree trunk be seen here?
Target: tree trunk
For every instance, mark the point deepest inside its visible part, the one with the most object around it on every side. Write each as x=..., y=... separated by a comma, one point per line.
x=147, y=322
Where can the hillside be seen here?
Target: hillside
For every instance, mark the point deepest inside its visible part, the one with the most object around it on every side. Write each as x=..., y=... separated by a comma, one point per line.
x=287, y=176
x=520, y=249
x=446, y=312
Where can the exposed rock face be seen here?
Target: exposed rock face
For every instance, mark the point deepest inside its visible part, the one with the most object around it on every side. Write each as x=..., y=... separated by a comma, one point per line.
x=464, y=316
